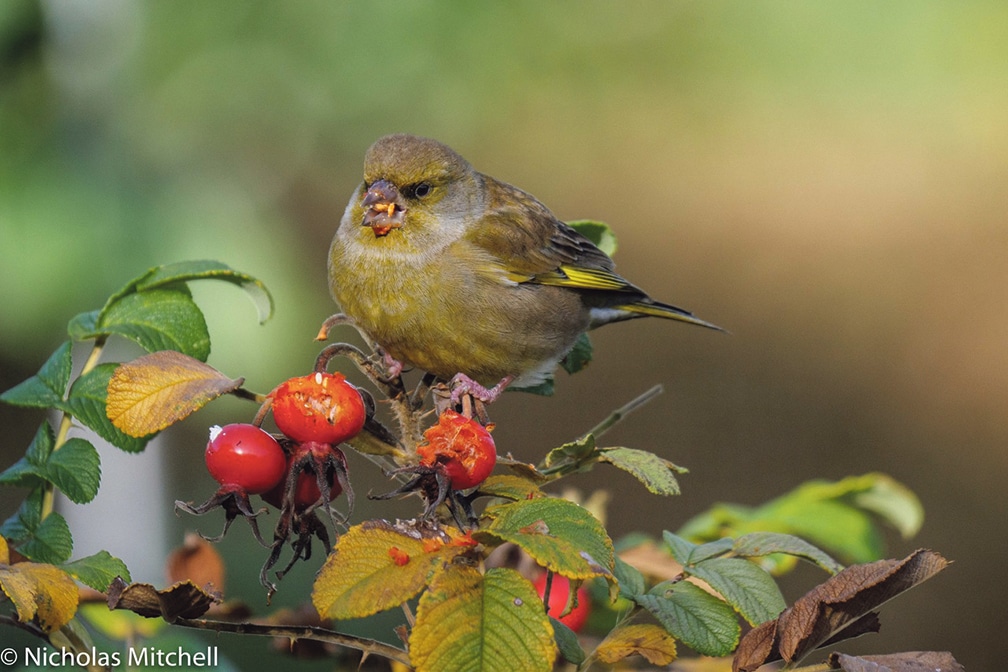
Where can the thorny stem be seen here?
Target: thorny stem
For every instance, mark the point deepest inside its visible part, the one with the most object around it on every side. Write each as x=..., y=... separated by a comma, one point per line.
x=314, y=633
x=66, y=423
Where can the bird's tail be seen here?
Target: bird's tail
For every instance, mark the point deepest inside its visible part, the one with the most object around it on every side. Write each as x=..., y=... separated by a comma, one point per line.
x=655, y=309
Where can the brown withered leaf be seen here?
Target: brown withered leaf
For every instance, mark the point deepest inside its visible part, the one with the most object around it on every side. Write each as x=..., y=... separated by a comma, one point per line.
x=197, y=561
x=159, y=389
x=910, y=661
x=837, y=609
x=181, y=600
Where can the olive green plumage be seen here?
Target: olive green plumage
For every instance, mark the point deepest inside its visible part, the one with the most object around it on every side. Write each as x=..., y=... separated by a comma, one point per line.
x=452, y=271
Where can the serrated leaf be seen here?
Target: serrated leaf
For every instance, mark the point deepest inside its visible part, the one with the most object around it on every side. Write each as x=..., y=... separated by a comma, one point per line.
x=711, y=549
x=694, y=616
x=472, y=622
x=50, y=541
x=570, y=452
x=76, y=470
x=681, y=548
x=27, y=471
x=560, y=535
x=157, y=390
x=98, y=570
x=743, y=585
x=631, y=581
x=656, y=473
x=157, y=319
x=82, y=325
x=508, y=486
x=579, y=356
x=40, y=591
x=650, y=641
x=598, y=233
x=86, y=402
x=47, y=387
x=378, y=565
x=567, y=642
x=760, y=544
x=23, y=522
x=205, y=269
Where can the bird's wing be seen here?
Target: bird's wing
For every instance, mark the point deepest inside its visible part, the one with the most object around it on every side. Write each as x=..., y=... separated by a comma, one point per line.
x=533, y=246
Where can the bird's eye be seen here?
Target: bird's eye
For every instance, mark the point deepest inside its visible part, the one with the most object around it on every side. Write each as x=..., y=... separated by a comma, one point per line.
x=419, y=190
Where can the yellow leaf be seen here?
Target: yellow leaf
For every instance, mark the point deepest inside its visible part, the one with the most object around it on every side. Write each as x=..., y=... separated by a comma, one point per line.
x=378, y=565
x=481, y=623
x=41, y=592
x=159, y=389
x=651, y=641
x=4, y=552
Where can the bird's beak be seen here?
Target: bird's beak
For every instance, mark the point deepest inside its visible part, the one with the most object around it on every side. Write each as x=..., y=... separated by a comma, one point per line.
x=383, y=208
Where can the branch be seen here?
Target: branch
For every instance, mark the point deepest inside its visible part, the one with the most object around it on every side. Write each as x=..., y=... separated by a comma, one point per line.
x=318, y=634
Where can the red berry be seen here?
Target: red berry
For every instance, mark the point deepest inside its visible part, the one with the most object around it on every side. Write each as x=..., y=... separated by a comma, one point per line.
x=306, y=492
x=559, y=590
x=245, y=456
x=462, y=447
x=320, y=407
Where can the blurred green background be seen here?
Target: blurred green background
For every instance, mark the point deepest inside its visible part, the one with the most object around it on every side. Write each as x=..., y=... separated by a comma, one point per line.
x=828, y=181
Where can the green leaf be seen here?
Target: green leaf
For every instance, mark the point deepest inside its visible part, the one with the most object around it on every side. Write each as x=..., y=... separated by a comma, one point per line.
x=711, y=549
x=760, y=544
x=840, y=517
x=82, y=324
x=204, y=269
x=86, y=402
x=888, y=499
x=694, y=616
x=743, y=585
x=157, y=319
x=50, y=542
x=560, y=535
x=567, y=641
x=579, y=356
x=23, y=522
x=597, y=232
x=656, y=473
x=98, y=570
x=631, y=581
x=46, y=388
x=570, y=453
x=681, y=548
x=76, y=470
x=475, y=622
x=27, y=471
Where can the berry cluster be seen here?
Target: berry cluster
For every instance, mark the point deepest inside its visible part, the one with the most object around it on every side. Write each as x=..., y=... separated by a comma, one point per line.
x=302, y=470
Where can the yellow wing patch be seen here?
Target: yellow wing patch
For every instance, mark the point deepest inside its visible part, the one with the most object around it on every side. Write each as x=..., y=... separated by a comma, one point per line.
x=579, y=277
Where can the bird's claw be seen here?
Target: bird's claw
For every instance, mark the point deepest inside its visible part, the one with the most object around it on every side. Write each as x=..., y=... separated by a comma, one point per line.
x=462, y=384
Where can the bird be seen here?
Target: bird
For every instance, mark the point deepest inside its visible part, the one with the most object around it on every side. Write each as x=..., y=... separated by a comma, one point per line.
x=468, y=278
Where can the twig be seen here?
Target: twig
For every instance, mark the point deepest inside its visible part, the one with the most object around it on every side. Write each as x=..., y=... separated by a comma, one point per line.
x=314, y=633
x=623, y=411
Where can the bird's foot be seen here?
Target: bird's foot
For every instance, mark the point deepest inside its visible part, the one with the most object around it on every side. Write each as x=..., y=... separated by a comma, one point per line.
x=393, y=367
x=462, y=384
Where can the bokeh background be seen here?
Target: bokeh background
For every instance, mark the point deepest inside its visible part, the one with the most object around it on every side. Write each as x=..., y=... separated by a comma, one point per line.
x=829, y=181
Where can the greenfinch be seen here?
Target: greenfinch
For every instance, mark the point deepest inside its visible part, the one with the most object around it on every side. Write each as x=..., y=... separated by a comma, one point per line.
x=465, y=277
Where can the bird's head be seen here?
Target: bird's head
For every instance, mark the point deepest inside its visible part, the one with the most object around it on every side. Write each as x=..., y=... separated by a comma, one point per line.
x=413, y=183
